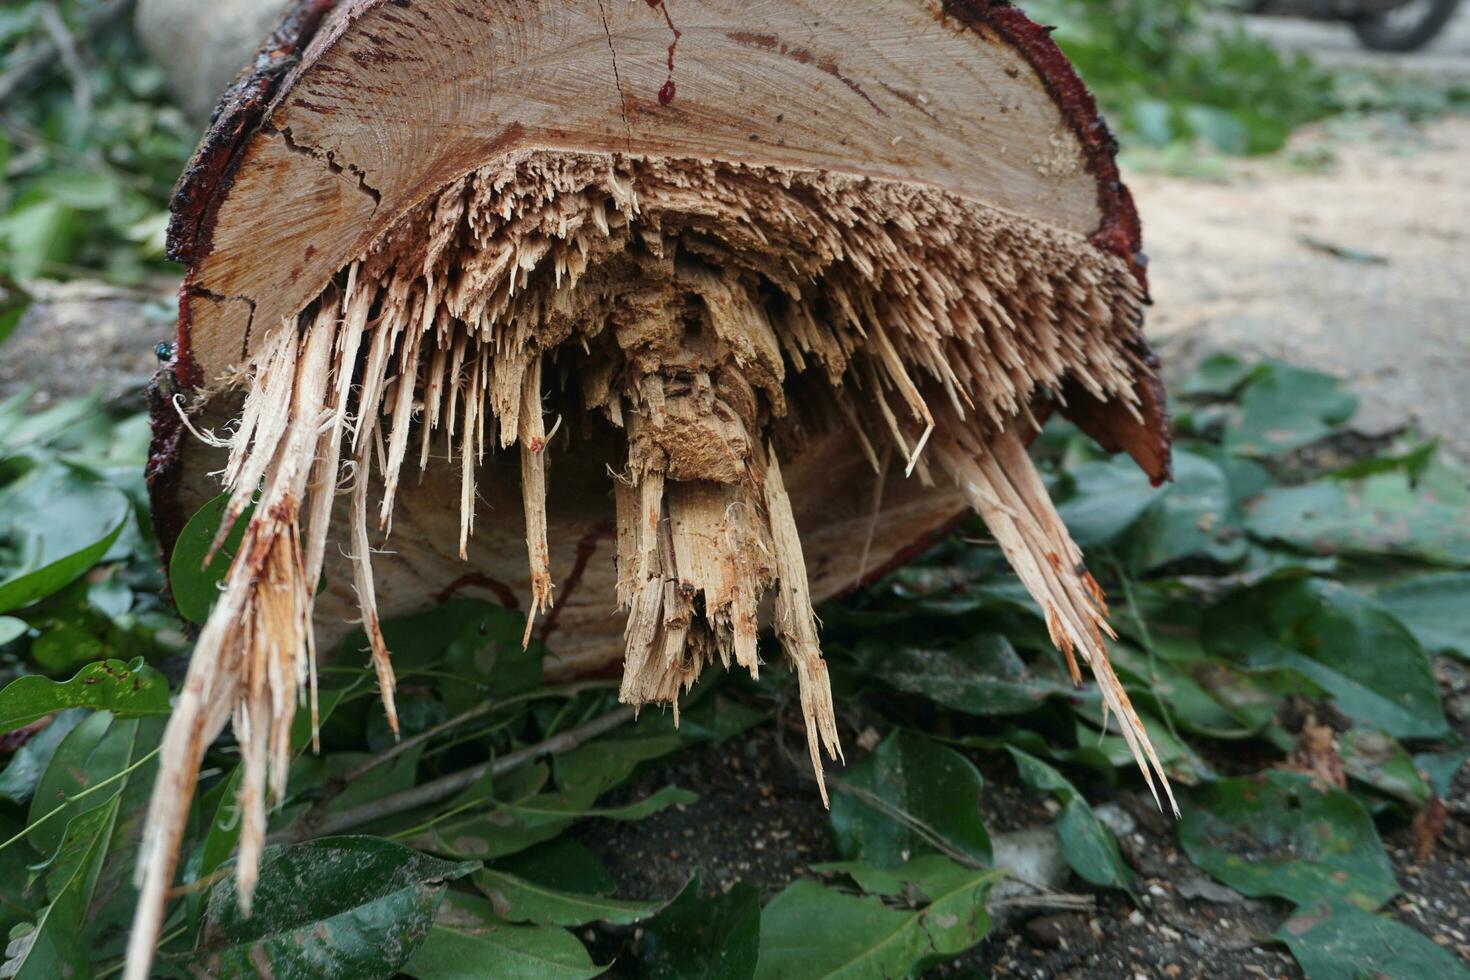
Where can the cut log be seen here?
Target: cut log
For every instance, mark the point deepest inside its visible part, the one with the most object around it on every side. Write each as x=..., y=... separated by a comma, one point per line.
x=692, y=315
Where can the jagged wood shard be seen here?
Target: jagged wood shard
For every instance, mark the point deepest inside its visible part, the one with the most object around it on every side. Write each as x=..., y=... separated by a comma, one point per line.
x=774, y=355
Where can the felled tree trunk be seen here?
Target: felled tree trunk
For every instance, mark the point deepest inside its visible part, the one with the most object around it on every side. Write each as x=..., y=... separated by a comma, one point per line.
x=659, y=321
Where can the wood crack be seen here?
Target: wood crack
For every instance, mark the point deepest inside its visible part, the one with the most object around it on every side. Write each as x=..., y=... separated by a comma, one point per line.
x=617, y=78
x=209, y=294
x=328, y=158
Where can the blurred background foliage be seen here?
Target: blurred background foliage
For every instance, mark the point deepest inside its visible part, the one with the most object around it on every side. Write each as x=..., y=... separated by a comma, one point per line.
x=1169, y=75
x=90, y=145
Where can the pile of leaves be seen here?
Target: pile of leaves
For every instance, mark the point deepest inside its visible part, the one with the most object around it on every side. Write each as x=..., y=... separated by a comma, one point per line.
x=1281, y=605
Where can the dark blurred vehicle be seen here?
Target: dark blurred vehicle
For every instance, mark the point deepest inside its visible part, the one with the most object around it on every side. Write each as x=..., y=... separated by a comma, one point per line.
x=1381, y=25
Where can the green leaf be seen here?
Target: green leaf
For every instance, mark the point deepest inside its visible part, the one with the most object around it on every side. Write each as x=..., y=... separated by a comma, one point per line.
x=591, y=770
x=18, y=780
x=1279, y=834
x=195, y=585
x=714, y=938
x=63, y=521
x=477, y=643
x=1379, y=515
x=910, y=797
x=1180, y=760
x=66, y=646
x=1219, y=375
x=512, y=827
x=1225, y=129
x=1381, y=762
x=1251, y=696
x=810, y=932
x=716, y=719
x=131, y=690
x=1364, y=658
x=1341, y=941
x=1435, y=608
x=1412, y=462
x=1441, y=768
x=468, y=942
x=14, y=301
x=345, y=907
x=1108, y=497
x=1088, y=846
x=85, y=190
x=21, y=899
x=1284, y=408
x=563, y=864
x=1042, y=777
x=64, y=421
x=1201, y=694
x=1195, y=514
x=519, y=900
x=222, y=832
x=53, y=947
x=1192, y=515
x=983, y=676
x=40, y=234
x=1151, y=121
x=97, y=750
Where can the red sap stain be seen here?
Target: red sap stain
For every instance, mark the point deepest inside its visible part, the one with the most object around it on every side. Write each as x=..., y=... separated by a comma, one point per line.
x=586, y=547
x=500, y=590
x=666, y=91
x=769, y=42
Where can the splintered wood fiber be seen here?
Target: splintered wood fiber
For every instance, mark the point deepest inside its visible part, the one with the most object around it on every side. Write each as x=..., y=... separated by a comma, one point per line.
x=712, y=314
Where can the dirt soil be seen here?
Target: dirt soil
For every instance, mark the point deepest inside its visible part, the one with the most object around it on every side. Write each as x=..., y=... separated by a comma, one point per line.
x=81, y=337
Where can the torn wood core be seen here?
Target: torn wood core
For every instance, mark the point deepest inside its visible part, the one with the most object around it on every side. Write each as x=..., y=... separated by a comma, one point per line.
x=712, y=316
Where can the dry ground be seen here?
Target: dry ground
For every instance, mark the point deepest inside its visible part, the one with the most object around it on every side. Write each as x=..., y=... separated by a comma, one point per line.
x=1350, y=254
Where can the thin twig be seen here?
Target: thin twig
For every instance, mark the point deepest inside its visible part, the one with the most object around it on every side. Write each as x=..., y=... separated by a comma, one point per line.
x=66, y=49
x=1146, y=636
x=479, y=710
x=72, y=799
x=169, y=937
x=394, y=751
x=447, y=786
x=1050, y=900
x=336, y=785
